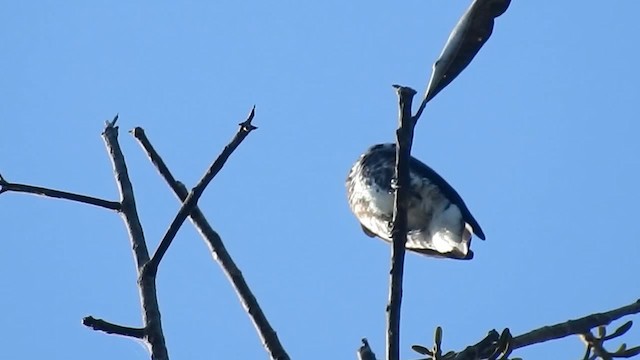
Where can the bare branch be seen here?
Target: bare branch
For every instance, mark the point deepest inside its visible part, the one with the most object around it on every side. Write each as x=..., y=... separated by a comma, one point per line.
x=110, y=328
x=219, y=252
x=404, y=139
x=6, y=186
x=192, y=199
x=146, y=284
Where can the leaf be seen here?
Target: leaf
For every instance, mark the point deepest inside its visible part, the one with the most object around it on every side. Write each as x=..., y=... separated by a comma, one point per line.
x=449, y=355
x=602, y=331
x=620, y=331
x=438, y=336
x=628, y=353
x=473, y=30
x=421, y=350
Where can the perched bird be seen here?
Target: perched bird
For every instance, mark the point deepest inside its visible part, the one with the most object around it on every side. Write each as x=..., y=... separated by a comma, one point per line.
x=438, y=221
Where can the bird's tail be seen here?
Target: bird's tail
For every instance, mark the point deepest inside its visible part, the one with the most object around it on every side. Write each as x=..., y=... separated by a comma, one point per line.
x=442, y=242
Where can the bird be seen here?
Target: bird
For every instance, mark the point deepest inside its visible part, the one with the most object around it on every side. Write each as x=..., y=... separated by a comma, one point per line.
x=439, y=224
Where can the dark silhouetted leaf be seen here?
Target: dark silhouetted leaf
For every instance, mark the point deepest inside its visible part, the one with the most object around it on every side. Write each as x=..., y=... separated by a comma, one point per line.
x=438, y=336
x=620, y=331
x=421, y=350
x=629, y=352
x=472, y=31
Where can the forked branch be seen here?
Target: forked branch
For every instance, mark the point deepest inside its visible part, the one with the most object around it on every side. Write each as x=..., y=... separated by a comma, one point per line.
x=189, y=203
x=153, y=334
x=219, y=252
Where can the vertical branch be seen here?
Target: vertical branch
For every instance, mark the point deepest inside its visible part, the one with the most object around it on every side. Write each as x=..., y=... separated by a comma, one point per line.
x=146, y=284
x=404, y=139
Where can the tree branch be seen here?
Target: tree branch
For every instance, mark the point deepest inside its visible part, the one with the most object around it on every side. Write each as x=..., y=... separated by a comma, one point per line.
x=404, y=139
x=574, y=327
x=6, y=186
x=484, y=346
x=110, y=328
x=147, y=283
x=219, y=252
x=495, y=343
x=192, y=199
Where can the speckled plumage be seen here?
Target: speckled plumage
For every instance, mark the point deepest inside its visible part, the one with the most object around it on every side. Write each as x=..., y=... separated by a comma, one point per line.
x=439, y=222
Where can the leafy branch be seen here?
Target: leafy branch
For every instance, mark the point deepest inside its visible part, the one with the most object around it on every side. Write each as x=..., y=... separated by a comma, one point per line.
x=499, y=346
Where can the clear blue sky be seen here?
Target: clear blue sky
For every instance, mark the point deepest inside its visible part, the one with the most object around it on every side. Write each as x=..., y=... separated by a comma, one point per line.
x=539, y=136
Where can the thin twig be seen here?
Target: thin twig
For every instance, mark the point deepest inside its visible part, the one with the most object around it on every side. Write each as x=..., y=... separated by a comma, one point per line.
x=6, y=186
x=3, y=182
x=587, y=352
x=404, y=139
x=110, y=328
x=219, y=252
x=192, y=199
x=146, y=283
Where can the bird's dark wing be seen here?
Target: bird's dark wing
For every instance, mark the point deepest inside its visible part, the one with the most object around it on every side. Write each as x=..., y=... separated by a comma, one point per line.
x=424, y=170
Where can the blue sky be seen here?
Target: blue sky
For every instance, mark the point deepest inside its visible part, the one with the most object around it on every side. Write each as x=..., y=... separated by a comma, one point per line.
x=538, y=135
